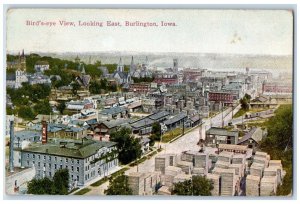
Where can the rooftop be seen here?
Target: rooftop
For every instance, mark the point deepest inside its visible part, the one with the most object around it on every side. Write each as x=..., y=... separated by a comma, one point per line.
x=113, y=110
x=159, y=115
x=176, y=118
x=222, y=132
x=69, y=148
x=24, y=134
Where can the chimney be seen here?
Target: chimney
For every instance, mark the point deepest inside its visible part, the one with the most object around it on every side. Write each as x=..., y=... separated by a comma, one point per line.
x=44, y=132
x=11, y=147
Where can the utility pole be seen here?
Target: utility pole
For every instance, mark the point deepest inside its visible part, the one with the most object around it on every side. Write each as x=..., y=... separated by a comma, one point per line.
x=222, y=114
x=160, y=136
x=183, y=126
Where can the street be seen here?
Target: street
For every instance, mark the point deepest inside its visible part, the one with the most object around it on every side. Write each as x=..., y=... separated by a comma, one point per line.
x=185, y=143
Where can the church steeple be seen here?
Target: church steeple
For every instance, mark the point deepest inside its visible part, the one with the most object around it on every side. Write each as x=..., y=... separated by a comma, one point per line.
x=120, y=67
x=77, y=60
x=83, y=70
x=132, y=66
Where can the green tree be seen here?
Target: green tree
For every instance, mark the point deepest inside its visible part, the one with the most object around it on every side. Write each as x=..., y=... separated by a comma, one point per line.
x=129, y=147
x=279, y=144
x=61, y=182
x=40, y=186
x=57, y=186
x=98, y=63
x=244, y=104
x=197, y=186
x=26, y=113
x=247, y=97
x=95, y=87
x=156, y=131
x=75, y=88
x=118, y=186
x=43, y=107
x=61, y=107
x=280, y=129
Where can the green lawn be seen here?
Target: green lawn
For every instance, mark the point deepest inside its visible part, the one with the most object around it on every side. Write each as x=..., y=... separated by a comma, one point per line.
x=252, y=110
x=75, y=189
x=83, y=191
x=171, y=134
x=239, y=113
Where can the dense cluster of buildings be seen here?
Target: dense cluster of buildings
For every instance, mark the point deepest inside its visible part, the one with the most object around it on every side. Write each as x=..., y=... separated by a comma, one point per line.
x=175, y=99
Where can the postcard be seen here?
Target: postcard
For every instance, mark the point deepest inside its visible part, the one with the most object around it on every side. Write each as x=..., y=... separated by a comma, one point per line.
x=149, y=102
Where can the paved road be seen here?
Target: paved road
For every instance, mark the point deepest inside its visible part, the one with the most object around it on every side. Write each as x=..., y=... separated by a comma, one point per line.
x=187, y=142
x=216, y=121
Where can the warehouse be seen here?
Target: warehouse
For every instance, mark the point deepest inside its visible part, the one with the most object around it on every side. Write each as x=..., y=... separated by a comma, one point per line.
x=85, y=160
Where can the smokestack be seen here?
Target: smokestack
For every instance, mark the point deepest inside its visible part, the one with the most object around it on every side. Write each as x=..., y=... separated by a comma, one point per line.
x=44, y=132
x=11, y=147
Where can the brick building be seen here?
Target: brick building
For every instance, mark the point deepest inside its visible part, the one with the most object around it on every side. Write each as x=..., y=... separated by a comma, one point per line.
x=224, y=97
x=140, y=87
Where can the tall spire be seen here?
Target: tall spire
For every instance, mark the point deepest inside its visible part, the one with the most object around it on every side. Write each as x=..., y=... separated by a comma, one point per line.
x=132, y=66
x=120, y=67
x=83, y=70
x=132, y=62
x=120, y=61
x=147, y=62
x=23, y=55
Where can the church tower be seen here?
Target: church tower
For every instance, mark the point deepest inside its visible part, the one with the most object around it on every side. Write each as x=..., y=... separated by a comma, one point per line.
x=22, y=61
x=175, y=65
x=132, y=66
x=120, y=67
x=77, y=60
x=83, y=70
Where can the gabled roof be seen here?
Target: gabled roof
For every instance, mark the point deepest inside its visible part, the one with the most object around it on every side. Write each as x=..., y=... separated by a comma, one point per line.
x=222, y=132
x=255, y=133
x=115, y=123
x=175, y=119
x=143, y=122
x=123, y=75
x=159, y=115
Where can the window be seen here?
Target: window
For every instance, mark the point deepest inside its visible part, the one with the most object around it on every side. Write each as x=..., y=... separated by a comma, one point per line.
x=27, y=156
x=39, y=156
x=55, y=166
x=44, y=157
x=67, y=160
x=44, y=164
x=50, y=173
x=50, y=166
x=77, y=169
x=27, y=163
x=61, y=166
x=77, y=161
x=77, y=178
x=72, y=168
x=55, y=158
x=33, y=156
x=72, y=161
x=49, y=158
x=39, y=164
